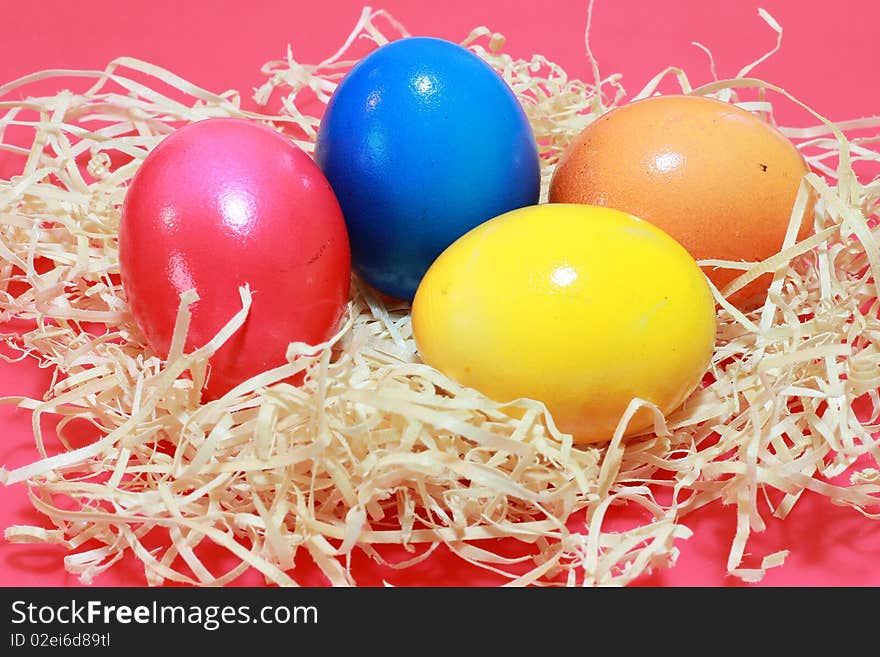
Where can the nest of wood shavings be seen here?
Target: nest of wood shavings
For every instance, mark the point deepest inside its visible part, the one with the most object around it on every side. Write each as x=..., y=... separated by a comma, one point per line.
x=375, y=447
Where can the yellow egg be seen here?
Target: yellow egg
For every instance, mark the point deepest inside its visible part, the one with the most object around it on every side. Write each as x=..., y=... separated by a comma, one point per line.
x=577, y=306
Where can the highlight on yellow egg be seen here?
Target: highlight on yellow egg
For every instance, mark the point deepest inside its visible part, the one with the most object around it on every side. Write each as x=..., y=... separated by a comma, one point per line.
x=583, y=308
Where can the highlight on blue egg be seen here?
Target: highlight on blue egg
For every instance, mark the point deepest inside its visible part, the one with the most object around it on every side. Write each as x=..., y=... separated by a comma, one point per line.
x=421, y=142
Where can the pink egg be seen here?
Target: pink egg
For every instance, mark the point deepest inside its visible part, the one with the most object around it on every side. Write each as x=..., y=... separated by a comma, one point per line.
x=224, y=202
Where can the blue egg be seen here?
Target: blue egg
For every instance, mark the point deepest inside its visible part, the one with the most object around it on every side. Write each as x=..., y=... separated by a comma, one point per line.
x=421, y=142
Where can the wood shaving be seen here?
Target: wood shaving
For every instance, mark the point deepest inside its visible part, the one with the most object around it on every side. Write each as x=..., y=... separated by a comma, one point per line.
x=375, y=447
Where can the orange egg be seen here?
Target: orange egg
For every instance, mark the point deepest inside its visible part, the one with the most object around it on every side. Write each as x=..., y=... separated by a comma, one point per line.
x=717, y=178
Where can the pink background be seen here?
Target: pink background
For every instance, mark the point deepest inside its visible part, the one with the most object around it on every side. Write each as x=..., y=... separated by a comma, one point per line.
x=828, y=59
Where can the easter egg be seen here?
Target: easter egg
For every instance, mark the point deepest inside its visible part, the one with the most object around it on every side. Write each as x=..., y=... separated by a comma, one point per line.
x=422, y=141
x=221, y=203
x=716, y=177
x=580, y=307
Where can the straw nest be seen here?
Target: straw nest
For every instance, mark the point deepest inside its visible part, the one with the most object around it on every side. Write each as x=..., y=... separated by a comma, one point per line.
x=375, y=447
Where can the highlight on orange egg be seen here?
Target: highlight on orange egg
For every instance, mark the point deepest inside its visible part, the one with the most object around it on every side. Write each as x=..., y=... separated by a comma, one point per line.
x=719, y=179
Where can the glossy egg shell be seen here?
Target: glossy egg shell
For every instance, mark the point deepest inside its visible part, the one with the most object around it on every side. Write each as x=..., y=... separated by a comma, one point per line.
x=422, y=141
x=718, y=178
x=580, y=307
x=224, y=202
